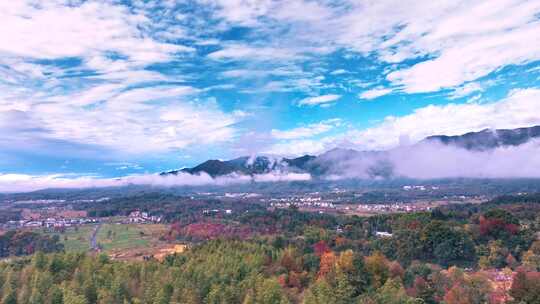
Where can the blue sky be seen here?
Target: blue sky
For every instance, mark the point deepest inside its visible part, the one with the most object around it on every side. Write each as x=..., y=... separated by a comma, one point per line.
x=114, y=88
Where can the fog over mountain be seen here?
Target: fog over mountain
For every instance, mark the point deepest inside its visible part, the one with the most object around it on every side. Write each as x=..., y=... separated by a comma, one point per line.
x=486, y=154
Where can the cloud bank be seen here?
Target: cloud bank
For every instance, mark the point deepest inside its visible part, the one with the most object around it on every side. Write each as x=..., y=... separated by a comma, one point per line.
x=433, y=160
x=518, y=109
x=26, y=183
x=426, y=160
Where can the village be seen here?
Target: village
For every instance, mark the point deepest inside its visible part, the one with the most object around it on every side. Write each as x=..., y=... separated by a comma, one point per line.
x=44, y=218
x=317, y=204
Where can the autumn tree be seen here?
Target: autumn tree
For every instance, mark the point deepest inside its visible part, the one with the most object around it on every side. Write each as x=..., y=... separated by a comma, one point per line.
x=378, y=267
x=526, y=286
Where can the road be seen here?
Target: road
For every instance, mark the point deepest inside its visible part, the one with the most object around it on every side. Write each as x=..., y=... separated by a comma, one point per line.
x=93, y=238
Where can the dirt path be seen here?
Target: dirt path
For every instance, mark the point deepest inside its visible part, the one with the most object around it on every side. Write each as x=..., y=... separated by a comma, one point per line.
x=93, y=238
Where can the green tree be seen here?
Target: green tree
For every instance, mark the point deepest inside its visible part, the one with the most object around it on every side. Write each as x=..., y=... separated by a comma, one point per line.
x=392, y=292
x=268, y=291
x=320, y=293
x=56, y=296
x=378, y=268
x=352, y=268
x=71, y=297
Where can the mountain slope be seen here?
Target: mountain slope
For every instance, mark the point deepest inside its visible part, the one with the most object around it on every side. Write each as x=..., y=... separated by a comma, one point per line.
x=488, y=139
x=248, y=166
x=363, y=164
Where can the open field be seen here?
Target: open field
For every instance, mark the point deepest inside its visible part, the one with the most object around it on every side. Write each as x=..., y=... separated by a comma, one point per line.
x=76, y=238
x=111, y=237
x=114, y=237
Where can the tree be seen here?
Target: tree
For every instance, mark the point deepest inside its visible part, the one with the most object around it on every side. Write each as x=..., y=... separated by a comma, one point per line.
x=511, y=261
x=344, y=291
x=378, y=267
x=423, y=290
x=498, y=223
x=320, y=293
x=39, y=260
x=90, y=292
x=445, y=244
x=71, y=297
x=351, y=266
x=408, y=245
x=321, y=248
x=392, y=292
x=473, y=289
x=526, y=286
x=268, y=291
x=497, y=254
x=219, y=294
x=56, y=296
x=327, y=264
x=531, y=258
x=9, y=288
x=10, y=298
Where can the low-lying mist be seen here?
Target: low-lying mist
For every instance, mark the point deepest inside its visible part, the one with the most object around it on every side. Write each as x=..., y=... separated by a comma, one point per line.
x=425, y=160
x=25, y=183
x=433, y=160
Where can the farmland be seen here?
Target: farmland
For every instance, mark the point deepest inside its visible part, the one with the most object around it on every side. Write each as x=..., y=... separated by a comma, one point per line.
x=76, y=238
x=113, y=236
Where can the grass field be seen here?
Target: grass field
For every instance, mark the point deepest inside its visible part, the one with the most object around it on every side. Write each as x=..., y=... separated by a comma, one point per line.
x=76, y=239
x=113, y=237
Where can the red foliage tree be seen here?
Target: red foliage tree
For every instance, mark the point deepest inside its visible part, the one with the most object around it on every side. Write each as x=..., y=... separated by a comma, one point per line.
x=327, y=263
x=321, y=248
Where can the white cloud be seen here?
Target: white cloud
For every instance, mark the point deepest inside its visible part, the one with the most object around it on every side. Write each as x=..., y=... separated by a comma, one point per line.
x=374, y=93
x=338, y=72
x=430, y=160
x=26, y=183
x=424, y=162
x=466, y=40
x=55, y=30
x=282, y=177
x=154, y=119
x=110, y=98
x=306, y=131
x=518, y=109
x=106, y=100
x=298, y=147
x=463, y=40
x=319, y=100
x=466, y=90
x=246, y=52
x=248, y=13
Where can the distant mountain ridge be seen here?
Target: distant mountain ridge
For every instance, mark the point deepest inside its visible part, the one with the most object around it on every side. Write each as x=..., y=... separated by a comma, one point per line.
x=489, y=139
x=374, y=163
x=247, y=165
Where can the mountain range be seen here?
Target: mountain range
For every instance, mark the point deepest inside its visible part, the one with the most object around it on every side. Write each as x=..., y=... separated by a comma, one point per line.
x=370, y=164
x=489, y=139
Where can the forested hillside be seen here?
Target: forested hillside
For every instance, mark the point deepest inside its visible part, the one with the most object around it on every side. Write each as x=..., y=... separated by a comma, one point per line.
x=473, y=254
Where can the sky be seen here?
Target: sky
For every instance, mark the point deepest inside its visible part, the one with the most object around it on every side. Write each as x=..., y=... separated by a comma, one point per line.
x=103, y=89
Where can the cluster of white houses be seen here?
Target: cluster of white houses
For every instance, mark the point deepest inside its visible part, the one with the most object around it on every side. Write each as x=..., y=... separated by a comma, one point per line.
x=392, y=207
x=420, y=188
x=305, y=204
x=216, y=211
x=50, y=222
x=143, y=217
